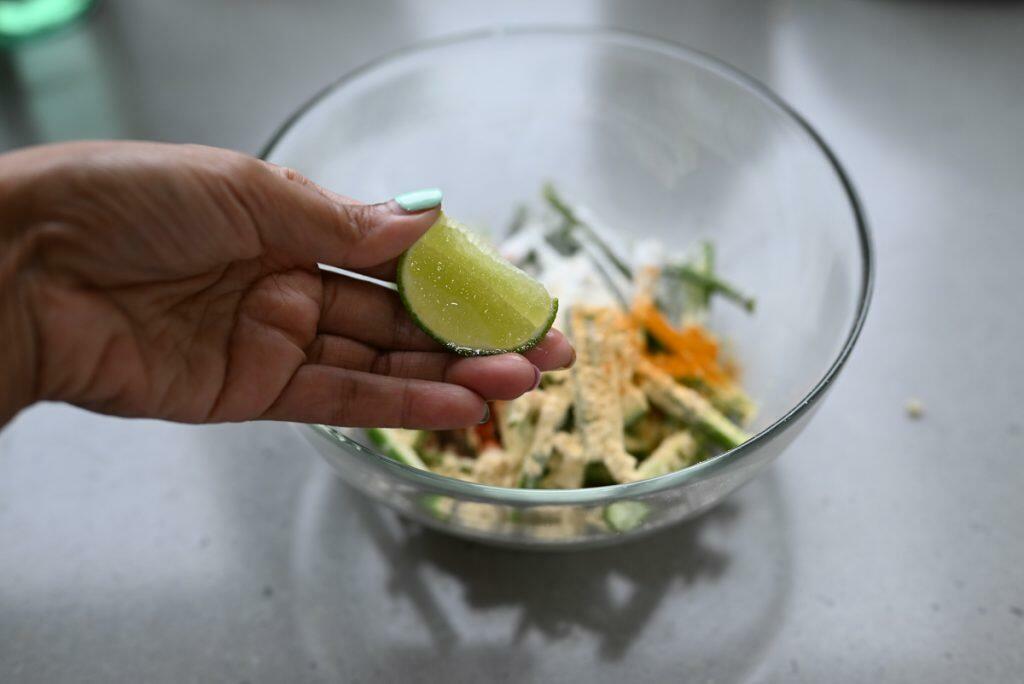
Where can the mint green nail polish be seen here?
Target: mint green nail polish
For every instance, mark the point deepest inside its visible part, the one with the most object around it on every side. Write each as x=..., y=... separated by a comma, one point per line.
x=418, y=200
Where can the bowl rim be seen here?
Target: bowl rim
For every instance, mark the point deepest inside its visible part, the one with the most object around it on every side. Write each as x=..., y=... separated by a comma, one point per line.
x=599, y=495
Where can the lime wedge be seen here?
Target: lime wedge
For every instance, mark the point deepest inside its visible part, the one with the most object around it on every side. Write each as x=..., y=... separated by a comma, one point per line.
x=468, y=298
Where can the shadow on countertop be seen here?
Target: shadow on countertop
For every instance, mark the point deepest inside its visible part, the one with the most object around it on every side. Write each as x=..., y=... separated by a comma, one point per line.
x=556, y=592
x=383, y=598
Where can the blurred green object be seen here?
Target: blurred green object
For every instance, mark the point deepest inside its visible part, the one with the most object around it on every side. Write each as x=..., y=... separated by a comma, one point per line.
x=26, y=18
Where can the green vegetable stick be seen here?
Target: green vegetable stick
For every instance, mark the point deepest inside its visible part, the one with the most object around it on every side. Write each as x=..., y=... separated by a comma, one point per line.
x=574, y=221
x=688, y=406
x=697, y=296
x=398, y=444
x=625, y=516
x=712, y=284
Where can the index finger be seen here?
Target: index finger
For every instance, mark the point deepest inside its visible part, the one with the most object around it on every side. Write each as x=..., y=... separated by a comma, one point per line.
x=371, y=314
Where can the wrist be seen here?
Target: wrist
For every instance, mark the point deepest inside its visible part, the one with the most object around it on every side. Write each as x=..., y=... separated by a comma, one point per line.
x=18, y=350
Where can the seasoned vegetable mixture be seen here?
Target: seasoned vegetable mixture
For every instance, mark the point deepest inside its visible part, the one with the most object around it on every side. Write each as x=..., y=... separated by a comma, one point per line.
x=652, y=390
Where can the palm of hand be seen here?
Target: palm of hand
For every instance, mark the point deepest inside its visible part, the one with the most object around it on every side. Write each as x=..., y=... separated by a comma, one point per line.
x=166, y=302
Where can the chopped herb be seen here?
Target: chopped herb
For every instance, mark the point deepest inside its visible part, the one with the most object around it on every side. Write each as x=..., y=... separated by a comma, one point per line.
x=712, y=284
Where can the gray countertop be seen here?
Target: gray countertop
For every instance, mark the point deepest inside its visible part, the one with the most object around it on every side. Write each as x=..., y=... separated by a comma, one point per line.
x=877, y=549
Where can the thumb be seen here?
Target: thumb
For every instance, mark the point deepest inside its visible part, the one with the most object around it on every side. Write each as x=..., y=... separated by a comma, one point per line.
x=315, y=224
x=387, y=229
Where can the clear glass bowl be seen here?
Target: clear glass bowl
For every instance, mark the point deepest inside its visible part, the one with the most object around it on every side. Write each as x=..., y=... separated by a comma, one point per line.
x=657, y=140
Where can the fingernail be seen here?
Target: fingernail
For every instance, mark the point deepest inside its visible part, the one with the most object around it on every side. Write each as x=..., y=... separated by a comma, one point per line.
x=419, y=200
x=572, y=359
x=487, y=414
x=536, y=380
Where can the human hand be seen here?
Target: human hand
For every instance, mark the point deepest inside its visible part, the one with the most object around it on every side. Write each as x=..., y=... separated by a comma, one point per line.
x=179, y=282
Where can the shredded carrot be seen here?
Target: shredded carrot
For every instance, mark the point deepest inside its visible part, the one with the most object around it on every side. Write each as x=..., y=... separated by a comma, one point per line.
x=487, y=432
x=692, y=351
x=731, y=368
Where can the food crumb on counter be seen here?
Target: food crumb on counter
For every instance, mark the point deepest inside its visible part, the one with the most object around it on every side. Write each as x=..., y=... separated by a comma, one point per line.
x=914, y=409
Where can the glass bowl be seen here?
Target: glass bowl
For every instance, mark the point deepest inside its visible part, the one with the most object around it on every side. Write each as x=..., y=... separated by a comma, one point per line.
x=655, y=139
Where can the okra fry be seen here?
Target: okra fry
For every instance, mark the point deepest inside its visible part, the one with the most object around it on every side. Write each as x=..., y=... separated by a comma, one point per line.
x=550, y=417
x=597, y=397
x=675, y=452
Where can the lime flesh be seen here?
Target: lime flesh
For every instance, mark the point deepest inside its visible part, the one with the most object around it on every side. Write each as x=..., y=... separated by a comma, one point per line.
x=468, y=298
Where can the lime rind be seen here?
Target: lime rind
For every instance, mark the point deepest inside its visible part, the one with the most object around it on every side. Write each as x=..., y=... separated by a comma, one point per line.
x=475, y=351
